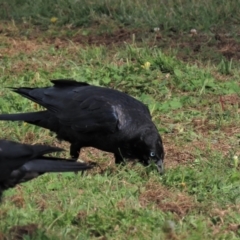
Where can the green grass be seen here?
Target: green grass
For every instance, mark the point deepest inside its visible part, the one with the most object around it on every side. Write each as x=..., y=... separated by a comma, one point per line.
x=192, y=96
x=180, y=15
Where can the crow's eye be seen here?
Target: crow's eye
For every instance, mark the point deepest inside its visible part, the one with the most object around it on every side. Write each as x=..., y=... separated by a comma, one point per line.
x=152, y=154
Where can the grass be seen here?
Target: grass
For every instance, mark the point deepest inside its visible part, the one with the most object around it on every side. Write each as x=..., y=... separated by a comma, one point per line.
x=207, y=15
x=191, y=85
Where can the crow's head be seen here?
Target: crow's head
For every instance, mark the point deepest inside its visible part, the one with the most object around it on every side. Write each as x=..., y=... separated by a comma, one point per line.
x=149, y=147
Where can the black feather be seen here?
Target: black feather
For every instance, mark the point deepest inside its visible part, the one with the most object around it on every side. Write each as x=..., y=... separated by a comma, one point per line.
x=23, y=162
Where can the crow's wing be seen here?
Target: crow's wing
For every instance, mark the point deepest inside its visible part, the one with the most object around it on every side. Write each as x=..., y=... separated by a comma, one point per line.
x=44, y=119
x=84, y=108
x=93, y=114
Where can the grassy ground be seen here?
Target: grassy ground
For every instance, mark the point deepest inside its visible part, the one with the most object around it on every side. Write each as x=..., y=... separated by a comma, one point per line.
x=189, y=80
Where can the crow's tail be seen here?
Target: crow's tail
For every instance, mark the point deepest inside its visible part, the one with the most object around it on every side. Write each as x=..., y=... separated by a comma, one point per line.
x=42, y=119
x=27, y=117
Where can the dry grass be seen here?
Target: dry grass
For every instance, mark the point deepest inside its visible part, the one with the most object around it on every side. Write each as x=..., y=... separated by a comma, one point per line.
x=160, y=197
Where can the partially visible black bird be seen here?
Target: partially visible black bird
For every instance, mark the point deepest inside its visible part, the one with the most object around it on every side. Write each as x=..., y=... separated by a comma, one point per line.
x=99, y=117
x=23, y=162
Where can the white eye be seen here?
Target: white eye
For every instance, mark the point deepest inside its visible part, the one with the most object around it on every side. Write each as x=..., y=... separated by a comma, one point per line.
x=152, y=154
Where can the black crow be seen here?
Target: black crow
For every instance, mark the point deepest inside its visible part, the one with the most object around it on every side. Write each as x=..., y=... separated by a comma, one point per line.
x=23, y=162
x=99, y=117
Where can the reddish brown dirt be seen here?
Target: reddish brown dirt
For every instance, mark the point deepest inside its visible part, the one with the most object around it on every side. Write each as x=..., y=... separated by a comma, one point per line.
x=190, y=46
x=220, y=44
x=166, y=200
x=176, y=154
x=18, y=232
x=18, y=199
x=2, y=236
x=207, y=45
x=202, y=45
x=118, y=37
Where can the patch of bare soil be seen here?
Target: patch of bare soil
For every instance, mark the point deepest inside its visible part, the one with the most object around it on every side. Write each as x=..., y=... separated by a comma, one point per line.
x=104, y=160
x=206, y=145
x=228, y=46
x=14, y=46
x=41, y=204
x=175, y=155
x=220, y=220
x=229, y=99
x=2, y=236
x=19, y=232
x=219, y=43
x=210, y=46
x=17, y=199
x=80, y=218
x=164, y=199
x=118, y=37
x=207, y=45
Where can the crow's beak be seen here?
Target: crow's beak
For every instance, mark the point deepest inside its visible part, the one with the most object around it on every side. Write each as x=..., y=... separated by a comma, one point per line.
x=160, y=166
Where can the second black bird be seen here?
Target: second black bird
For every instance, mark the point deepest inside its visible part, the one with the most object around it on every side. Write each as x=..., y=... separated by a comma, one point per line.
x=22, y=162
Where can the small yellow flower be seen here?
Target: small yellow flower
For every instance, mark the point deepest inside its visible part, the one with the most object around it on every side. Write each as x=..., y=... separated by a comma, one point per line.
x=146, y=65
x=53, y=20
x=183, y=184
